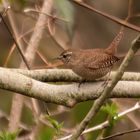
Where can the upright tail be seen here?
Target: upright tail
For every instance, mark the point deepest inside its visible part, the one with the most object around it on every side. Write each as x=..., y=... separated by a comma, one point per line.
x=114, y=44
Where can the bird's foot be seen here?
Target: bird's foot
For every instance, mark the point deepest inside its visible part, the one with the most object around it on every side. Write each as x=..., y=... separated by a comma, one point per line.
x=81, y=82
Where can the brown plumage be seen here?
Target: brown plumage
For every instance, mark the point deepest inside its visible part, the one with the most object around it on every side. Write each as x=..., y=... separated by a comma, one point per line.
x=91, y=64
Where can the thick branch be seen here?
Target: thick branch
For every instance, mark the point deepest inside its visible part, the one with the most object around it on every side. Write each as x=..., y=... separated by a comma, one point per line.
x=67, y=95
x=65, y=75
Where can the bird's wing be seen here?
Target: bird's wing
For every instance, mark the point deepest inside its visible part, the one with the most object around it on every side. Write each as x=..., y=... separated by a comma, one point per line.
x=100, y=61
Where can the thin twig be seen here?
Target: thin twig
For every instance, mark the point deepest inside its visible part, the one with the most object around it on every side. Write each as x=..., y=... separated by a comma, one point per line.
x=121, y=133
x=49, y=15
x=38, y=53
x=115, y=19
x=15, y=41
x=52, y=37
x=5, y=11
x=9, y=55
x=22, y=37
x=130, y=2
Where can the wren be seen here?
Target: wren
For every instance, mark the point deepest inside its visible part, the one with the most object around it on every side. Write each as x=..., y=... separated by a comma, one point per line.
x=91, y=64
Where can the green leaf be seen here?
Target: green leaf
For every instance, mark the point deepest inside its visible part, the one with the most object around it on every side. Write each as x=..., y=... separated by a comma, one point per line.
x=111, y=110
x=8, y=136
x=55, y=124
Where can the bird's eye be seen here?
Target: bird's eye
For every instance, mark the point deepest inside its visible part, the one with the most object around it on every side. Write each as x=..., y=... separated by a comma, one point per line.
x=64, y=56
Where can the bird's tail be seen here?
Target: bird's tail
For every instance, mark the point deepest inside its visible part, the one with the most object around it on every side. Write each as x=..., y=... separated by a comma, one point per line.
x=112, y=49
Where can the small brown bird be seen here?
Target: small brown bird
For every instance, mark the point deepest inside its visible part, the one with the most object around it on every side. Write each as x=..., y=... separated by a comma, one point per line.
x=91, y=64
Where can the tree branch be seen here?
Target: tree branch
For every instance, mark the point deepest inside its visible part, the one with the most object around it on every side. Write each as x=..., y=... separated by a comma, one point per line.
x=65, y=75
x=110, y=17
x=121, y=133
x=67, y=95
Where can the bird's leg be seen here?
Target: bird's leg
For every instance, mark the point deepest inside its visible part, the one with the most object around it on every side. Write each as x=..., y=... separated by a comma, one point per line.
x=107, y=80
x=81, y=82
x=104, y=84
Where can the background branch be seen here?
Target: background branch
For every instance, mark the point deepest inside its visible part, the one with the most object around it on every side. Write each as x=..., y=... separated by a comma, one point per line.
x=115, y=19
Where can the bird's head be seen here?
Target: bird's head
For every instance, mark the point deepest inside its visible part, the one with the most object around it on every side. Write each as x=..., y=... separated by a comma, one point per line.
x=65, y=56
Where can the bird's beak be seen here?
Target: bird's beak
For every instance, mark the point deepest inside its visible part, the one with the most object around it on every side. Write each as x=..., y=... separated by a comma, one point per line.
x=57, y=58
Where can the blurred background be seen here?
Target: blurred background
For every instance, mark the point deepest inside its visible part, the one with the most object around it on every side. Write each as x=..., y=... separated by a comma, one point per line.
x=74, y=27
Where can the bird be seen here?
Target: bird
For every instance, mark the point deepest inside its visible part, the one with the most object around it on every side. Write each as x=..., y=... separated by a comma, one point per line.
x=91, y=64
